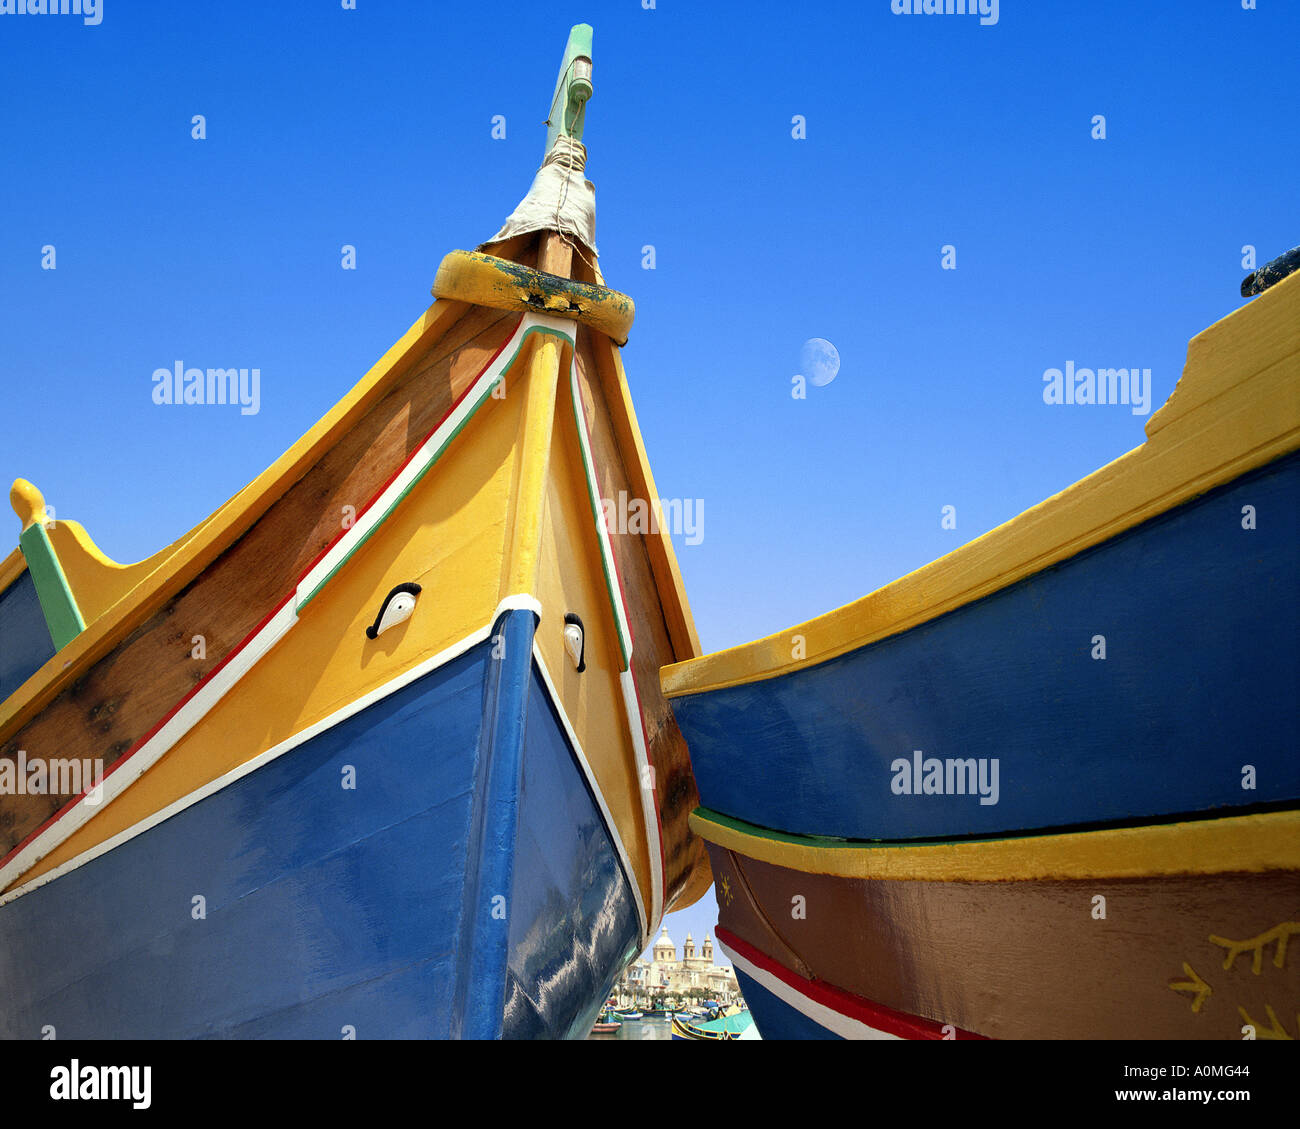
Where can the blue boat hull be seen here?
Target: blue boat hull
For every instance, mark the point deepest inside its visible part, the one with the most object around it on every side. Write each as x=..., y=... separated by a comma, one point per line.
x=465, y=886
x=1192, y=710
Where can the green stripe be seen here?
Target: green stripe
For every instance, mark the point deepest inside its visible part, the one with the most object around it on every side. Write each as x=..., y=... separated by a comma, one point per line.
x=823, y=842
x=597, y=514
x=487, y=392
x=59, y=606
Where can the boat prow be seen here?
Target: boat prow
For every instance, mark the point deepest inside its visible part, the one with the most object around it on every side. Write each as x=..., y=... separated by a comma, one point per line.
x=380, y=745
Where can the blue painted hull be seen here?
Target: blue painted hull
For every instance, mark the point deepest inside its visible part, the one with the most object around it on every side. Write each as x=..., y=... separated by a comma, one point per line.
x=1200, y=619
x=465, y=887
x=775, y=1018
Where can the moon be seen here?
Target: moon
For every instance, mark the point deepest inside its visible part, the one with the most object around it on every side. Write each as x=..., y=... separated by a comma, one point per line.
x=819, y=360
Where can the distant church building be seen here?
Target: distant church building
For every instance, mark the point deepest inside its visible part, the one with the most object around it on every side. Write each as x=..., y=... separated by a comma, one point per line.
x=694, y=976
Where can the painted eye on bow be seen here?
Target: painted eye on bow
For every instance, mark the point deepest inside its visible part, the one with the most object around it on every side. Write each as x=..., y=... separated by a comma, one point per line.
x=575, y=641
x=396, y=608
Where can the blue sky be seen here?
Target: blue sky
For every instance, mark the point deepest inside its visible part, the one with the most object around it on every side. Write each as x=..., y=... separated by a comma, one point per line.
x=372, y=127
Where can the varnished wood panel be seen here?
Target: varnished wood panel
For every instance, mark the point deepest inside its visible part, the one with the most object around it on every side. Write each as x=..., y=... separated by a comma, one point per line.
x=1037, y=959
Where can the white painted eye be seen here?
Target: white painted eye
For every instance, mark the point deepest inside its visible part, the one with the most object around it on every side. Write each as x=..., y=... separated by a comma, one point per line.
x=573, y=643
x=397, y=608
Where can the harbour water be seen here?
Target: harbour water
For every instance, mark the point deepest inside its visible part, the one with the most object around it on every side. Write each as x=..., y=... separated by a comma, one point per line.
x=648, y=1027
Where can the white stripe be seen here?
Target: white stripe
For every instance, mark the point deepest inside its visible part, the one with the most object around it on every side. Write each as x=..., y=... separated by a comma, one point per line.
x=145, y=757
x=636, y=723
x=606, y=549
x=608, y=816
x=646, y=785
x=286, y=746
x=819, y=1013
x=425, y=455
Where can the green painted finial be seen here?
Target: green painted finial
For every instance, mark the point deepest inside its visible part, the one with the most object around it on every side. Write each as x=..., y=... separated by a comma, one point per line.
x=572, y=88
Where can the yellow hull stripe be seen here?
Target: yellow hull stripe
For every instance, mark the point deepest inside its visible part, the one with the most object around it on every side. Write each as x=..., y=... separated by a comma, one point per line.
x=1235, y=409
x=1251, y=843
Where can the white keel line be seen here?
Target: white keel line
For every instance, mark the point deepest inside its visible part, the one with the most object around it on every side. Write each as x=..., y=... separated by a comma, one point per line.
x=834, y=1021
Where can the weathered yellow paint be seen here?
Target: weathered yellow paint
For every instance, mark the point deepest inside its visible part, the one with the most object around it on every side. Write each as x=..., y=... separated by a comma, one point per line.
x=1246, y=843
x=11, y=568
x=180, y=563
x=448, y=535
x=485, y=280
x=1236, y=408
x=540, y=378
x=570, y=579
x=27, y=501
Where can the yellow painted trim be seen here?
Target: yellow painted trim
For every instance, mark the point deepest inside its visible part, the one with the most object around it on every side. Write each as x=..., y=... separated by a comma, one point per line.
x=11, y=568
x=485, y=280
x=1249, y=843
x=177, y=566
x=538, y=376
x=1236, y=408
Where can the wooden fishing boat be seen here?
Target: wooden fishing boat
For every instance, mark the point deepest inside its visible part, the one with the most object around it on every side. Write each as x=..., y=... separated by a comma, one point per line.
x=1046, y=786
x=731, y=1024
x=379, y=748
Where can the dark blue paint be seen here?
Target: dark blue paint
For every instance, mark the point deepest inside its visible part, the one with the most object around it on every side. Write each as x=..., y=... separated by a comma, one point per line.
x=1201, y=677
x=329, y=908
x=25, y=643
x=573, y=925
x=480, y=989
x=775, y=1018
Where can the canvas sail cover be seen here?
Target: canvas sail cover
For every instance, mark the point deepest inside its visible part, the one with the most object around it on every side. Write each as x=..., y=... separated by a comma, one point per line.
x=561, y=199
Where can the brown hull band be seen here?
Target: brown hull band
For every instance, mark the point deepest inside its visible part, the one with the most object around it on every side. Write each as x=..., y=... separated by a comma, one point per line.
x=1168, y=957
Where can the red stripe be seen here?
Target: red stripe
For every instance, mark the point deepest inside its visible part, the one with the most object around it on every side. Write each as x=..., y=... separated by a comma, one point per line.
x=409, y=458
x=271, y=615
x=875, y=1015
x=152, y=732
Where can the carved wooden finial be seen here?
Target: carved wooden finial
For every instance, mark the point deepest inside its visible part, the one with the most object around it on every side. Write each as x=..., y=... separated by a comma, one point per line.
x=27, y=501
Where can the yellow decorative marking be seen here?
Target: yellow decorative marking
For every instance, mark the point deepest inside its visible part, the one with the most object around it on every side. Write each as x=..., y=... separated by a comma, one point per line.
x=1245, y=843
x=1275, y=1031
x=1257, y=945
x=533, y=453
x=27, y=502
x=1193, y=984
x=725, y=887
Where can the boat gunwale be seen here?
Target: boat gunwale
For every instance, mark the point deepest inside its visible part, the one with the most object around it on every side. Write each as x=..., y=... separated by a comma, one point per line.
x=1188, y=451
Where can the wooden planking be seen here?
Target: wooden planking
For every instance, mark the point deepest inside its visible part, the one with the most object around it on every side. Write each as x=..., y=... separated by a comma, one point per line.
x=1029, y=960
x=649, y=604
x=114, y=705
x=186, y=558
